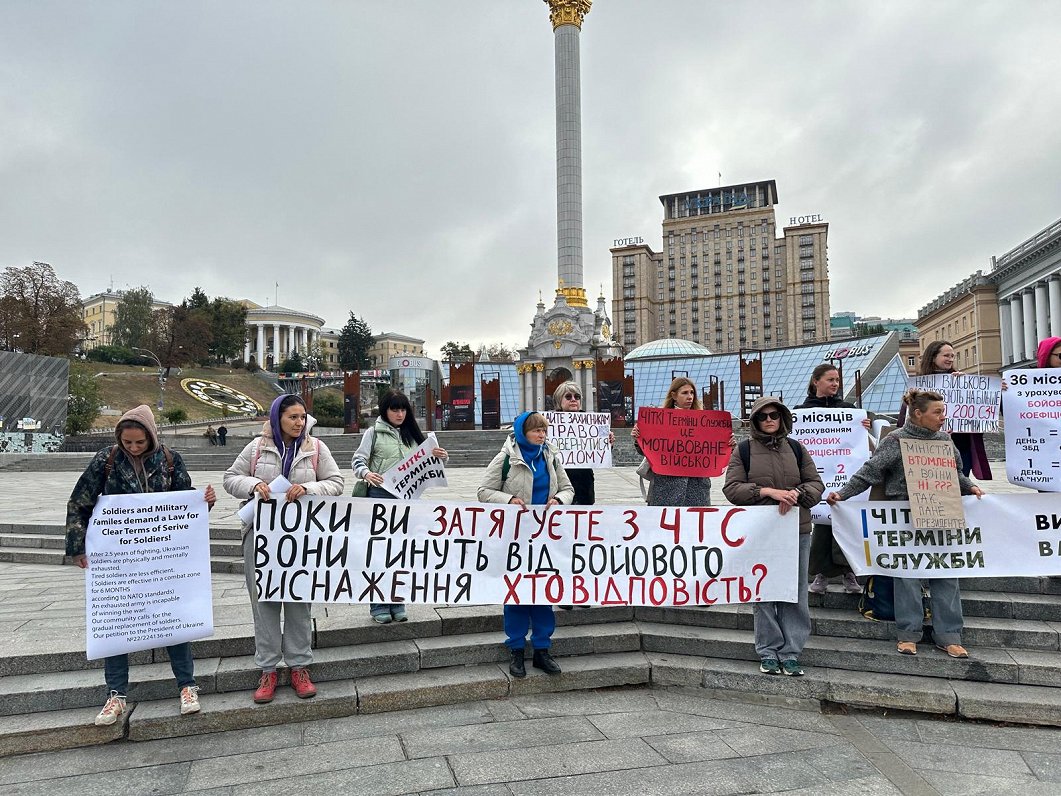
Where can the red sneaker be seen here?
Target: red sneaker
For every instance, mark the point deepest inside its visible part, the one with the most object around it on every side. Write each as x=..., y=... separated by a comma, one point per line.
x=303, y=686
x=266, y=688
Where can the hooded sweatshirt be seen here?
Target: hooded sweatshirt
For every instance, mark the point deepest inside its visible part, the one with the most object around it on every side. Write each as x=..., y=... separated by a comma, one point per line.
x=772, y=464
x=149, y=472
x=1045, y=347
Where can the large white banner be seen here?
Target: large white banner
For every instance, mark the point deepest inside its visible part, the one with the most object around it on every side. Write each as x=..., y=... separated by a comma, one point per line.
x=421, y=471
x=1032, y=406
x=581, y=438
x=972, y=401
x=148, y=578
x=1008, y=535
x=343, y=550
x=839, y=445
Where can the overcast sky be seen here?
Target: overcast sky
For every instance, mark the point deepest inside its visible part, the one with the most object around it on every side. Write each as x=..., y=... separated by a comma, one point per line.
x=397, y=159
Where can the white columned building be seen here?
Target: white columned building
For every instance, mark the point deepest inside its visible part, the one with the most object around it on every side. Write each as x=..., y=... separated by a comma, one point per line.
x=1028, y=278
x=290, y=330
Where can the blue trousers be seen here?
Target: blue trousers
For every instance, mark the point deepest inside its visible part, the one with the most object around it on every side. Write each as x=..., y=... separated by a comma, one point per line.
x=538, y=619
x=116, y=668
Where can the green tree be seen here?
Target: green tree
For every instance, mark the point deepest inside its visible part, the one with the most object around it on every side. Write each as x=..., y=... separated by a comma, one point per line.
x=175, y=415
x=457, y=352
x=355, y=340
x=39, y=312
x=228, y=327
x=293, y=364
x=328, y=408
x=133, y=317
x=198, y=300
x=179, y=336
x=84, y=403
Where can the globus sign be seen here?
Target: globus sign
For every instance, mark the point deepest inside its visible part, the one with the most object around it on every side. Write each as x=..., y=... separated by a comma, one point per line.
x=416, y=363
x=852, y=351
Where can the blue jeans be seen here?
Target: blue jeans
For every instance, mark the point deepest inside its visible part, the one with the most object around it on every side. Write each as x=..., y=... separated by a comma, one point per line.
x=382, y=609
x=538, y=619
x=946, y=602
x=116, y=668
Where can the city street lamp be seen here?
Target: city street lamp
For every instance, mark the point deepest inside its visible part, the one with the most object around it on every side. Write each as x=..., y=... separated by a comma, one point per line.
x=161, y=374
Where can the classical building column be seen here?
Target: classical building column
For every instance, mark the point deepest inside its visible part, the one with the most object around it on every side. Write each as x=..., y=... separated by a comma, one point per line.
x=260, y=352
x=1005, y=332
x=1042, y=313
x=539, y=386
x=1055, y=305
x=247, y=349
x=1016, y=315
x=276, y=346
x=290, y=340
x=1030, y=341
x=589, y=390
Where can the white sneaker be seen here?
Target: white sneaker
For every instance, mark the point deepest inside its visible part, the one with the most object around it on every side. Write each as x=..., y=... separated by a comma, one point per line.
x=112, y=710
x=189, y=699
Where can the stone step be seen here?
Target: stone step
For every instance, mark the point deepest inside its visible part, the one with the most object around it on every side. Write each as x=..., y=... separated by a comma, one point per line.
x=979, y=631
x=987, y=664
x=1022, y=704
x=31, y=693
x=26, y=555
x=160, y=718
x=41, y=541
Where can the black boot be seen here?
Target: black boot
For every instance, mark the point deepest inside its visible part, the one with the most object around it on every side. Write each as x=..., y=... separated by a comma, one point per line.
x=544, y=661
x=517, y=668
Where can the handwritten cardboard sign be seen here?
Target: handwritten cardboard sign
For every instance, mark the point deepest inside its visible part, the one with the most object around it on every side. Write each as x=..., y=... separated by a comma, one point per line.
x=581, y=438
x=932, y=483
x=691, y=442
x=972, y=401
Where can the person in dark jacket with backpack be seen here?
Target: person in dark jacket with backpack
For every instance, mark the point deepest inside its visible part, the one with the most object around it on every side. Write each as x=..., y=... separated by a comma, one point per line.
x=528, y=472
x=137, y=464
x=924, y=421
x=774, y=470
x=823, y=392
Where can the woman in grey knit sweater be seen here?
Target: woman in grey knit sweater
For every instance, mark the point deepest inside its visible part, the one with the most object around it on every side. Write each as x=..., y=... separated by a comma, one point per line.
x=925, y=416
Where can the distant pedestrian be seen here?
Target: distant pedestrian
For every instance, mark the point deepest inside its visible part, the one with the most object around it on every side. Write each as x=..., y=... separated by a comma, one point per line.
x=211, y=435
x=284, y=448
x=222, y=432
x=778, y=472
x=137, y=464
x=390, y=441
x=527, y=472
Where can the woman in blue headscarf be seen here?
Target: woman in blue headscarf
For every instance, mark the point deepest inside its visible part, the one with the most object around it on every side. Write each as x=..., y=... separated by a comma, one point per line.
x=284, y=448
x=528, y=471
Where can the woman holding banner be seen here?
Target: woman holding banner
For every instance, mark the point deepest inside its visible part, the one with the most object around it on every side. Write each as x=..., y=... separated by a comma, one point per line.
x=285, y=448
x=677, y=490
x=389, y=442
x=823, y=393
x=938, y=359
x=528, y=472
x=778, y=471
x=926, y=413
x=568, y=398
x=138, y=463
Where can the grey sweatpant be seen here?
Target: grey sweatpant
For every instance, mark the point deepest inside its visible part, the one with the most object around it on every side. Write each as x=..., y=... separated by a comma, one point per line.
x=782, y=629
x=293, y=644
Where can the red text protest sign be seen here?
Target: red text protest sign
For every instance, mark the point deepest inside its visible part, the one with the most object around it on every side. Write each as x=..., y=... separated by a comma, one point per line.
x=691, y=442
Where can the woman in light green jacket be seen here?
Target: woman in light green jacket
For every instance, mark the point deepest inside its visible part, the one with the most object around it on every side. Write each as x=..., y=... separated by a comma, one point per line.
x=391, y=440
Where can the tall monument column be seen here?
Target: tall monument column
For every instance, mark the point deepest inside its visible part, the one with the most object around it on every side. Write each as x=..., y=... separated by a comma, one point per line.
x=566, y=17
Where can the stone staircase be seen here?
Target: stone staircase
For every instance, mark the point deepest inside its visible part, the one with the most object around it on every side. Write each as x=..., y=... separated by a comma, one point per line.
x=447, y=654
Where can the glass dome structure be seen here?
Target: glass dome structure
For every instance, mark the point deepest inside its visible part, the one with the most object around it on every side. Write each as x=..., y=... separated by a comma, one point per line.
x=667, y=348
